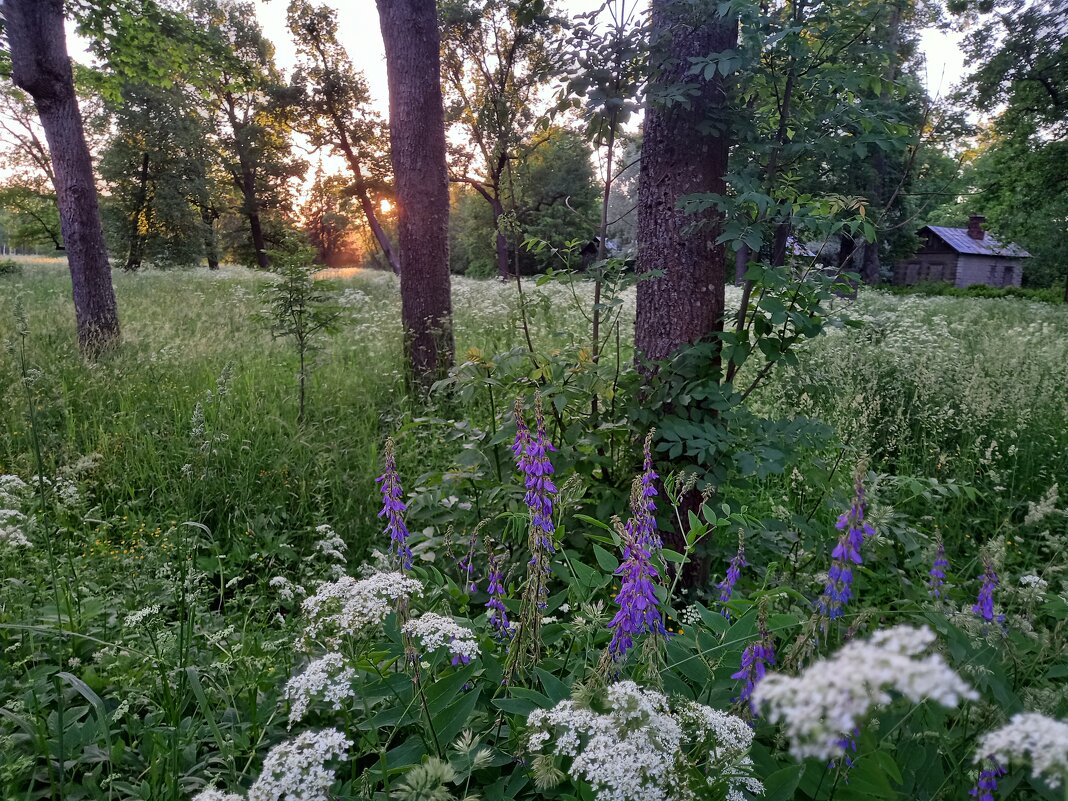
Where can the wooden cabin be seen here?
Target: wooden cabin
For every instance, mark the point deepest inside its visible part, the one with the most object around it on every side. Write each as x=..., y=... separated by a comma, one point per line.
x=962, y=257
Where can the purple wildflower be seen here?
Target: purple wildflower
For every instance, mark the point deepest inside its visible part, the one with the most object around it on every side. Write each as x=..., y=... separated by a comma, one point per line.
x=734, y=571
x=937, y=574
x=460, y=659
x=466, y=563
x=642, y=503
x=393, y=508
x=988, y=782
x=755, y=659
x=984, y=605
x=846, y=553
x=531, y=451
x=498, y=613
x=638, y=605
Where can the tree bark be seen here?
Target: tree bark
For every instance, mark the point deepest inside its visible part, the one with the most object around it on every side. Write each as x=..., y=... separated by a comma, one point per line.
x=501, y=241
x=135, y=254
x=211, y=248
x=682, y=154
x=252, y=213
x=40, y=65
x=417, y=138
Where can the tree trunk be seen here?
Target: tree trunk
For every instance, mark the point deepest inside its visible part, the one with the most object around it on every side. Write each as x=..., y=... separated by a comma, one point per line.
x=380, y=235
x=211, y=247
x=417, y=138
x=135, y=254
x=40, y=65
x=501, y=240
x=682, y=154
x=252, y=213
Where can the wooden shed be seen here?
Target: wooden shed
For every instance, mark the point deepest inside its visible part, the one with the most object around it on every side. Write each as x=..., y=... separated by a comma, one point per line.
x=962, y=257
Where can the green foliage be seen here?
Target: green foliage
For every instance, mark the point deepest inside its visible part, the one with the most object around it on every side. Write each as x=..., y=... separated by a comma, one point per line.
x=10, y=267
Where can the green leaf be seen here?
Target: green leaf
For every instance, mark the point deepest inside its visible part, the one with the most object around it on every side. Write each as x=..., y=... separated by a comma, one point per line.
x=605, y=560
x=554, y=688
x=451, y=720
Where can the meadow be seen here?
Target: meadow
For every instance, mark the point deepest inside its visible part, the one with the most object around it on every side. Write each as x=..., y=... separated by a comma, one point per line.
x=175, y=544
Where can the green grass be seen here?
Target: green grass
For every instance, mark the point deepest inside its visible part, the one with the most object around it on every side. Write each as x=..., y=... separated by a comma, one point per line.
x=957, y=405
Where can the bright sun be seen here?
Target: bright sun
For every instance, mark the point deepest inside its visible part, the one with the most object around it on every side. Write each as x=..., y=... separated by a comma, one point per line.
x=385, y=205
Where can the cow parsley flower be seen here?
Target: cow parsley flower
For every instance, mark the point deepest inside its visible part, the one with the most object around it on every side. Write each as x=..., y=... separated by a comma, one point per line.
x=211, y=794
x=435, y=631
x=328, y=679
x=1030, y=737
x=350, y=606
x=13, y=490
x=12, y=534
x=297, y=768
x=393, y=508
x=823, y=705
x=638, y=749
x=936, y=576
x=846, y=554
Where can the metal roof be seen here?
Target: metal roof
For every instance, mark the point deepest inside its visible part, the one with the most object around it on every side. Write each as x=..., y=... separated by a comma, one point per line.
x=958, y=239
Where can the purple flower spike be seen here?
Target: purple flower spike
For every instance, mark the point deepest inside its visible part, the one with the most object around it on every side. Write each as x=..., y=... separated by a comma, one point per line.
x=531, y=451
x=846, y=553
x=984, y=605
x=638, y=606
x=498, y=613
x=755, y=660
x=642, y=500
x=937, y=574
x=734, y=571
x=988, y=782
x=393, y=508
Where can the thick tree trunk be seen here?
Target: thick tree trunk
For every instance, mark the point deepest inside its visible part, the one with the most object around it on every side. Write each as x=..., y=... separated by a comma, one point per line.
x=40, y=65
x=417, y=137
x=681, y=156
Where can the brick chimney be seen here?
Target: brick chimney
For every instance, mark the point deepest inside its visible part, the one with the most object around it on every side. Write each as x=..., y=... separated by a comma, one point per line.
x=975, y=226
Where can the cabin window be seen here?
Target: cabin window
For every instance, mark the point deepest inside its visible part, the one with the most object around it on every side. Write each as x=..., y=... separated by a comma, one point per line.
x=1006, y=277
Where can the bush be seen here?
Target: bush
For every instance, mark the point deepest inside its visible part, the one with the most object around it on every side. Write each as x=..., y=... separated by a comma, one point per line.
x=1045, y=295
x=10, y=267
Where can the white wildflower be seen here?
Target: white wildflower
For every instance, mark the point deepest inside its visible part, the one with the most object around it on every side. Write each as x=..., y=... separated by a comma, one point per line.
x=11, y=531
x=350, y=606
x=328, y=679
x=211, y=794
x=296, y=770
x=435, y=631
x=829, y=699
x=285, y=588
x=1036, y=583
x=137, y=618
x=1030, y=737
x=635, y=751
x=329, y=544
x=1037, y=512
x=13, y=490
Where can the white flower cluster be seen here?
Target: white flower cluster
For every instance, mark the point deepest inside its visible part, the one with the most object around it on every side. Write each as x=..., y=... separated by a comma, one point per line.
x=1030, y=737
x=331, y=548
x=13, y=492
x=349, y=606
x=633, y=751
x=140, y=616
x=211, y=794
x=285, y=588
x=11, y=532
x=296, y=770
x=1037, y=512
x=328, y=679
x=434, y=631
x=829, y=699
x=730, y=738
